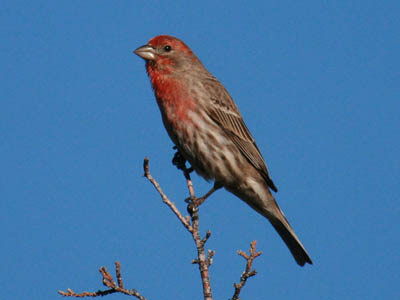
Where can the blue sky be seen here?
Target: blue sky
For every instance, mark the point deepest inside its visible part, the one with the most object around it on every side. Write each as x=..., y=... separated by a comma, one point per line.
x=318, y=85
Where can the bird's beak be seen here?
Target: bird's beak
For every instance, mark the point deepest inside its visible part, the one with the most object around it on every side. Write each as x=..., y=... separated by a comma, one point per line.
x=146, y=52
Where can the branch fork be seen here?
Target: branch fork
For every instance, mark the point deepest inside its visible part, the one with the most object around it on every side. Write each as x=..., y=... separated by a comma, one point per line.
x=191, y=223
x=109, y=282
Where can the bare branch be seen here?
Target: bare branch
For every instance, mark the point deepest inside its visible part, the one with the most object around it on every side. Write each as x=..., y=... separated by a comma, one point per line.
x=109, y=282
x=248, y=271
x=118, y=274
x=163, y=196
x=191, y=223
x=205, y=239
x=210, y=257
x=202, y=260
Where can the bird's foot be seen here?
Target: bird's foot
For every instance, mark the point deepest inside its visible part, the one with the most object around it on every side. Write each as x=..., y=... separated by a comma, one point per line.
x=180, y=162
x=194, y=203
x=197, y=201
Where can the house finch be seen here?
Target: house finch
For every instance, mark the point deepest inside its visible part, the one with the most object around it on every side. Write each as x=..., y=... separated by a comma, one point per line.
x=206, y=126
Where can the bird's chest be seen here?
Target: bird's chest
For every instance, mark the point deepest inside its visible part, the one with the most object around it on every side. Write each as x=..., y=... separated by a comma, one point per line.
x=175, y=103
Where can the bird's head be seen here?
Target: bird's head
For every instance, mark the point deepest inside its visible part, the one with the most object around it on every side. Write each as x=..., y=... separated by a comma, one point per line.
x=166, y=53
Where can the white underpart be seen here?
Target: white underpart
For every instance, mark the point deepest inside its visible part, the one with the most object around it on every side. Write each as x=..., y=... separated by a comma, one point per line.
x=199, y=122
x=229, y=156
x=210, y=151
x=258, y=188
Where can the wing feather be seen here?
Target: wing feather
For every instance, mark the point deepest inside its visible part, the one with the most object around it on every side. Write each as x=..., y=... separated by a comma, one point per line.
x=226, y=114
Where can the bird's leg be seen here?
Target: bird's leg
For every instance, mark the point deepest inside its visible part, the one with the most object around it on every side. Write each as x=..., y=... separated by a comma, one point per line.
x=194, y=203
x=216, y=187
x=180, y=162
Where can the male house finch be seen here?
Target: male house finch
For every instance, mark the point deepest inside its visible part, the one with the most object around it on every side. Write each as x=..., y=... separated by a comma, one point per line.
x=206, y=126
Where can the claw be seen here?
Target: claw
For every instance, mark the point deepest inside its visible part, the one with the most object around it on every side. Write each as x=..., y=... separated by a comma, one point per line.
x=194, y=203
x=192, y=208
x=179, y=161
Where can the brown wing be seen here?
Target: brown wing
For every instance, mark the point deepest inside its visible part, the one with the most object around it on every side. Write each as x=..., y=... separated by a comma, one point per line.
x=226, y=114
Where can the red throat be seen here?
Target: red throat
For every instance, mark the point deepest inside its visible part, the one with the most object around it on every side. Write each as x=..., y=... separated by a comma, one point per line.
x=172, y=97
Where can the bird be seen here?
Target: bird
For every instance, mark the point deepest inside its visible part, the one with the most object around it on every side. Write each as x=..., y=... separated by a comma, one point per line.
x=207, y=128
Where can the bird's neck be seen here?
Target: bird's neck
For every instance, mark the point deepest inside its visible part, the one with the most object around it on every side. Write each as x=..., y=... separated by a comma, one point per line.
x=172, y=96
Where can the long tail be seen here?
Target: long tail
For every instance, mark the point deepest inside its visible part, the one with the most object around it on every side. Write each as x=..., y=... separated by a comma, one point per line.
x=282, y=226
x=257, y=195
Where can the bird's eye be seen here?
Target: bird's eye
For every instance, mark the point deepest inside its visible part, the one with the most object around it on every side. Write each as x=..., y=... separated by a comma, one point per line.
x=167, y=48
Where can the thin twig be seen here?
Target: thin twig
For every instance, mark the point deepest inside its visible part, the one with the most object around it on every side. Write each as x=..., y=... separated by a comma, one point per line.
x=192, y=225
x=186, y=173
x=118, y=274
x=248, y=271
x=109, y=282
x=202, y=260
x=210, y=257
x=164, y=198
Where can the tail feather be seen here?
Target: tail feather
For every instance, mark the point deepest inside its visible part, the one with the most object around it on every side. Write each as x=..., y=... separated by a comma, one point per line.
x=286, y=232
x=257, y=195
